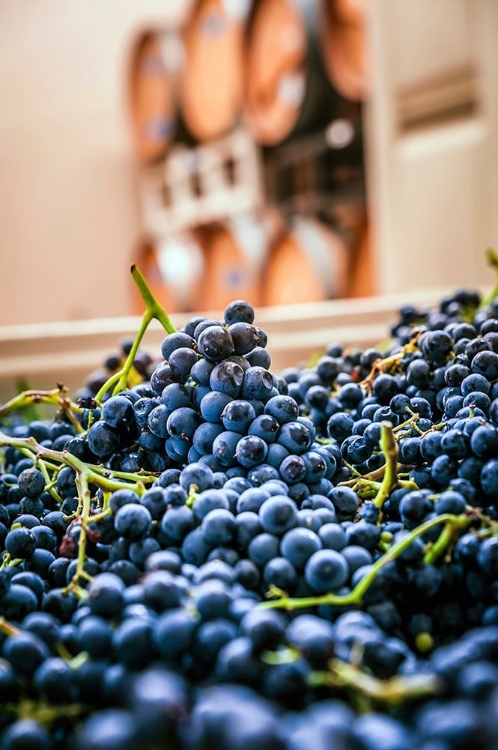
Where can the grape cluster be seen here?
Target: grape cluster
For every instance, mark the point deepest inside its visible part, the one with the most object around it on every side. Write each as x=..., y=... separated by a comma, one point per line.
x=218, y=557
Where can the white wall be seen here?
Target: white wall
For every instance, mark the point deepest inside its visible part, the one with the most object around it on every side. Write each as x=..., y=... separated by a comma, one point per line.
x=68, y=216
x=434, y=186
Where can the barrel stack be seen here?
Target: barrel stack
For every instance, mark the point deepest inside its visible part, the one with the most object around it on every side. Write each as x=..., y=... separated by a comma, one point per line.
x=247, y=129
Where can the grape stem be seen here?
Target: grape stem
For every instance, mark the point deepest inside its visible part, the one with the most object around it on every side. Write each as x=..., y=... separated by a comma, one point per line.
x=492, y=258
x=193, y=491
x=355, y=596
x=366, y=486
x=389, y=364
x=389, y=448
x=7, y=628
x=372, y=476
x=29, y=709
x=394, y=690
x=153, y=310
x=450, y=533
x=56, y=397
x=86, y=475
x=410, y=422
x=7, y=561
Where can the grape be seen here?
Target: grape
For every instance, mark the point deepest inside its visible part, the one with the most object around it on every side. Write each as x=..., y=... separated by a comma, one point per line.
x=259, y=357
x=184, y=499
x=238, y=416
x=239, y=311
x=133, y=521
x=26, y=733
x=215, y=343
x=245, y=337
x=182, y=360
x=176, y=341
x=103, y=440
x=20, y=543
x=182, y=422
x=174, y=396
x=227, y=377
x=118, y=410
x=212, y=406
x=326, y=570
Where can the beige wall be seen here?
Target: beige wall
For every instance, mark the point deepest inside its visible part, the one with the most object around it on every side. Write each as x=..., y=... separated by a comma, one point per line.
x=68, y=216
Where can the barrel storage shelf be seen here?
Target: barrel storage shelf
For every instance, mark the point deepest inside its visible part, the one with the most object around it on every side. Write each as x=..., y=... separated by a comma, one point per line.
x=201, y=184
x=42, y=355
x=251, y=123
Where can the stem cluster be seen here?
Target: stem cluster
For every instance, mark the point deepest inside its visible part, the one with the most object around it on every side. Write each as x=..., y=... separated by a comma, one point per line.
x=457, y=524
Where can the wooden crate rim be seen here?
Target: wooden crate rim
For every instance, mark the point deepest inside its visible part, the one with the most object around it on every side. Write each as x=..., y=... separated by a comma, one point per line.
x=326, y=312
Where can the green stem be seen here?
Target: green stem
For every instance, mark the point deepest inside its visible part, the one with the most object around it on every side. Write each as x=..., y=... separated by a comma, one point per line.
x=108, y=384
x=282, y=656
x=49, y=485
x=351, y=468
x=408, y=423
x=108, y=474
x=444, y=540
x=94, y=477
x=29, y=709
x=373, y=475
x=393, y=690
x=7, y=628
x=95, y=474
x=100, y=516
x=84, y=494
x=355, y=596
x=125, y=372
x=192, y=495
x=153, y=310
x=389, y=448
x=492, y=258
x=151, y=303
x=86, y=475
x=55, y=397
x=7, y=561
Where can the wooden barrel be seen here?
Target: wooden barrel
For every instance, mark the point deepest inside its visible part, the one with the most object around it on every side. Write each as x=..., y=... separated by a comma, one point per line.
x=343, y=42
x=151, y=96
x=287, y=90
x=212, y=74
x=362, y=281
x=235, y=252
x=308, y=263
x=351, y=11
x=174, y=269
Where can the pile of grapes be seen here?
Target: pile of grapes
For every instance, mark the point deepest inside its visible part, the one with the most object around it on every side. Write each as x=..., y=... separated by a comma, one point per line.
x=197, y=554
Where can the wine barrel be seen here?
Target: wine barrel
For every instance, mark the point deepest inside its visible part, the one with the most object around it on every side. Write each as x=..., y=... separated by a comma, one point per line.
x=151, y=96
x=287, y=90
x=308, y=263
x=362, y=273
x=174, y=269
x=235, y=252
x=351, y=11
x=343, y=42
x=212, y=74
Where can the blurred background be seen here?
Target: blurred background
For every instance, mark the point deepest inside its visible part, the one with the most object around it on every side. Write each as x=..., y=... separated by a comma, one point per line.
x=289, y=152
